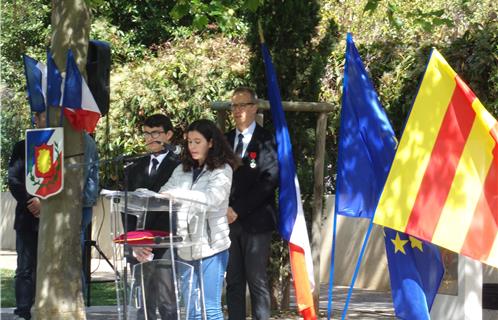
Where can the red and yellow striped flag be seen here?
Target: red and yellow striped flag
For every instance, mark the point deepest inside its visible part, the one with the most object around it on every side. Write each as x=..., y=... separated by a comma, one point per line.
x=443, y=183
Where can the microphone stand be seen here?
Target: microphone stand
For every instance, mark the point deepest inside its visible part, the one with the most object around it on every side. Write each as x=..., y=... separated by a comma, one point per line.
x=127, y=158
x=126, y=167
x=128, y=162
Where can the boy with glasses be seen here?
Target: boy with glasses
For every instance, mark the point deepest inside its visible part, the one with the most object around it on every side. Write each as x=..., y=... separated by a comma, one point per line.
x=152, y=172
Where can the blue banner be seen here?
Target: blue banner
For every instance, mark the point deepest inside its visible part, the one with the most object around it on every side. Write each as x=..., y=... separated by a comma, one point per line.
x=367, y=142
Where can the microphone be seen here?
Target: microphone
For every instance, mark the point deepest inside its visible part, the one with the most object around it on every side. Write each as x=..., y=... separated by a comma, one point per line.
x=176, y=149
x=166, y=239
x=166, y=147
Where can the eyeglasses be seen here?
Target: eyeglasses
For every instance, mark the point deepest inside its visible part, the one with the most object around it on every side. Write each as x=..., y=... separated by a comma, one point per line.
x=241, y=105
x=152, y=134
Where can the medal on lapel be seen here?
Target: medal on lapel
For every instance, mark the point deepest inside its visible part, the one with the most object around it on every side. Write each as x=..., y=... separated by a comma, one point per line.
x=252, y=156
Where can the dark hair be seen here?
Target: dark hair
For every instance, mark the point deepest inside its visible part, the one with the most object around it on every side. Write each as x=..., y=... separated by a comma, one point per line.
x=159, y=120
x=247, y=90
x=218, y=155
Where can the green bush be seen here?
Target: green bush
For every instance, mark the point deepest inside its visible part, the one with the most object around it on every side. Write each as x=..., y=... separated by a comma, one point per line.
x=465, y=32
x=25, y=30
x=181, y=82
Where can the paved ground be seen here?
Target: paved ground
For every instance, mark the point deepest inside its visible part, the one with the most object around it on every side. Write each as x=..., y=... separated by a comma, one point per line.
x=364, y=304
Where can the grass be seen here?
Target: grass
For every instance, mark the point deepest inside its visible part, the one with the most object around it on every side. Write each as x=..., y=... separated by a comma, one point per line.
x=7, y=288
x=102, y=294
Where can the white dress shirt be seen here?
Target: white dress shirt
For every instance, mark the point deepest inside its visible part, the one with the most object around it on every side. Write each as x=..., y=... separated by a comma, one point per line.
x=160, y=157
x=247, y=133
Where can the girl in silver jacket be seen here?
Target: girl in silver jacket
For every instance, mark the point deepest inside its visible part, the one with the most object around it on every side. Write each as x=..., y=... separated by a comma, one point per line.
x=205, y=176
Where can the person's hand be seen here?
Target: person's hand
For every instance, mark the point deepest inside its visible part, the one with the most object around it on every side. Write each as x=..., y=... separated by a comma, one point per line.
x=143, y=254
x=34, y=207
x=231, y=215
x=167, y=194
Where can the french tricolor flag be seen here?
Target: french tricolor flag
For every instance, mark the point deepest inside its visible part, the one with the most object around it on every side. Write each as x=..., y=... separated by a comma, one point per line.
x=36, y=81
x=80, y=107
x=54, y=82
x=292, y=225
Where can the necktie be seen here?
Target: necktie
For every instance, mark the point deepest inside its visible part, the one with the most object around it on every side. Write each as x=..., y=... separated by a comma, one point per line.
x=240, y=145
x=153, y=170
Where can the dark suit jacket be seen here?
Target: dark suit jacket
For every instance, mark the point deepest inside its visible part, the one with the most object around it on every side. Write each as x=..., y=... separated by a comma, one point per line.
x=17, y=184
x=138, y=177
x=253, y=189
x=139, y=173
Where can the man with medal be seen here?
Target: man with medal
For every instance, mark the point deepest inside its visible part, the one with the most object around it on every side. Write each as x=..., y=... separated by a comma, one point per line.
x=252, y=210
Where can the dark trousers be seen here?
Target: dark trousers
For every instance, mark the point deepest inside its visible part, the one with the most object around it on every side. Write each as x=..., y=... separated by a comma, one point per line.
x=158, y=291
x=247, y=263
x=86, y=219
x=25, y=278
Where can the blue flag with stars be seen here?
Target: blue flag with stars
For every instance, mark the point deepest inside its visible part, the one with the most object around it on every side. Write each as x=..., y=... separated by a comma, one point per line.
x=415, y=271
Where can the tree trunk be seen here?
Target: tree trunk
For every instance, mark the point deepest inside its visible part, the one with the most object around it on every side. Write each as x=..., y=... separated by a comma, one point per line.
x=58, y=284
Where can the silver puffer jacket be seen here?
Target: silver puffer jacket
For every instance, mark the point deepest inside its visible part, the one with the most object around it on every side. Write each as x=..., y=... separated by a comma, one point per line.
x=205, y=197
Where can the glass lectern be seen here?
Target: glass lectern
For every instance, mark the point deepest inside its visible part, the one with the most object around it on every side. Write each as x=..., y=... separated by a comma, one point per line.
x=173, y=228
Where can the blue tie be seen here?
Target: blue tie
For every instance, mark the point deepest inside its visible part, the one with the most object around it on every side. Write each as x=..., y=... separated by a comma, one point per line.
x=153, y=170
x=240, y=145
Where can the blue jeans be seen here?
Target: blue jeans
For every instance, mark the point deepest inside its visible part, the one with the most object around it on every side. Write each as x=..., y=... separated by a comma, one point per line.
x=25, y=278
x=213, y=271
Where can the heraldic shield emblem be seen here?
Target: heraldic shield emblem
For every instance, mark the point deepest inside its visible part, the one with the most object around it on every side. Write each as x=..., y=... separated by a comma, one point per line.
x=44, y=161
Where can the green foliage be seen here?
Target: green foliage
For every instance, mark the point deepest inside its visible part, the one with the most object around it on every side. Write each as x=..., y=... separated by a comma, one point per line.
x=428, y=20
x=123, y=48
x=145, y=23
x=156, y=22
x=25, y=30
x=396, y=58
x=214, y=14
x=180, y=82
x=474, y=56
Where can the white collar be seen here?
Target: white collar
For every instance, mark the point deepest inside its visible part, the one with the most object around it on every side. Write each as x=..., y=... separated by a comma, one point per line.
x=160, y=157
x=248, y=131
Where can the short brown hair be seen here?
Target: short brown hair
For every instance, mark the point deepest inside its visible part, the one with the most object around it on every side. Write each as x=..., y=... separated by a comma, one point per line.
x=247, y=90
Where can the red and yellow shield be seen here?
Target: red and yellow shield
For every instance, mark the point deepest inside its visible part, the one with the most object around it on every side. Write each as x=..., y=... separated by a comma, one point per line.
x=44, y=161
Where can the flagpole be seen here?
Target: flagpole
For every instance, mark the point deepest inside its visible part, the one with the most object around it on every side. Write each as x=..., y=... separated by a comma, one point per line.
x=260, y=31
x=47, y=109
x=357, y=269
x=61, y=115
x=332, y=268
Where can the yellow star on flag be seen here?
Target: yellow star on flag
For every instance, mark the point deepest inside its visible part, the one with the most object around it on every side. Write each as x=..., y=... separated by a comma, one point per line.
x=416, y=243
x=399, y=245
